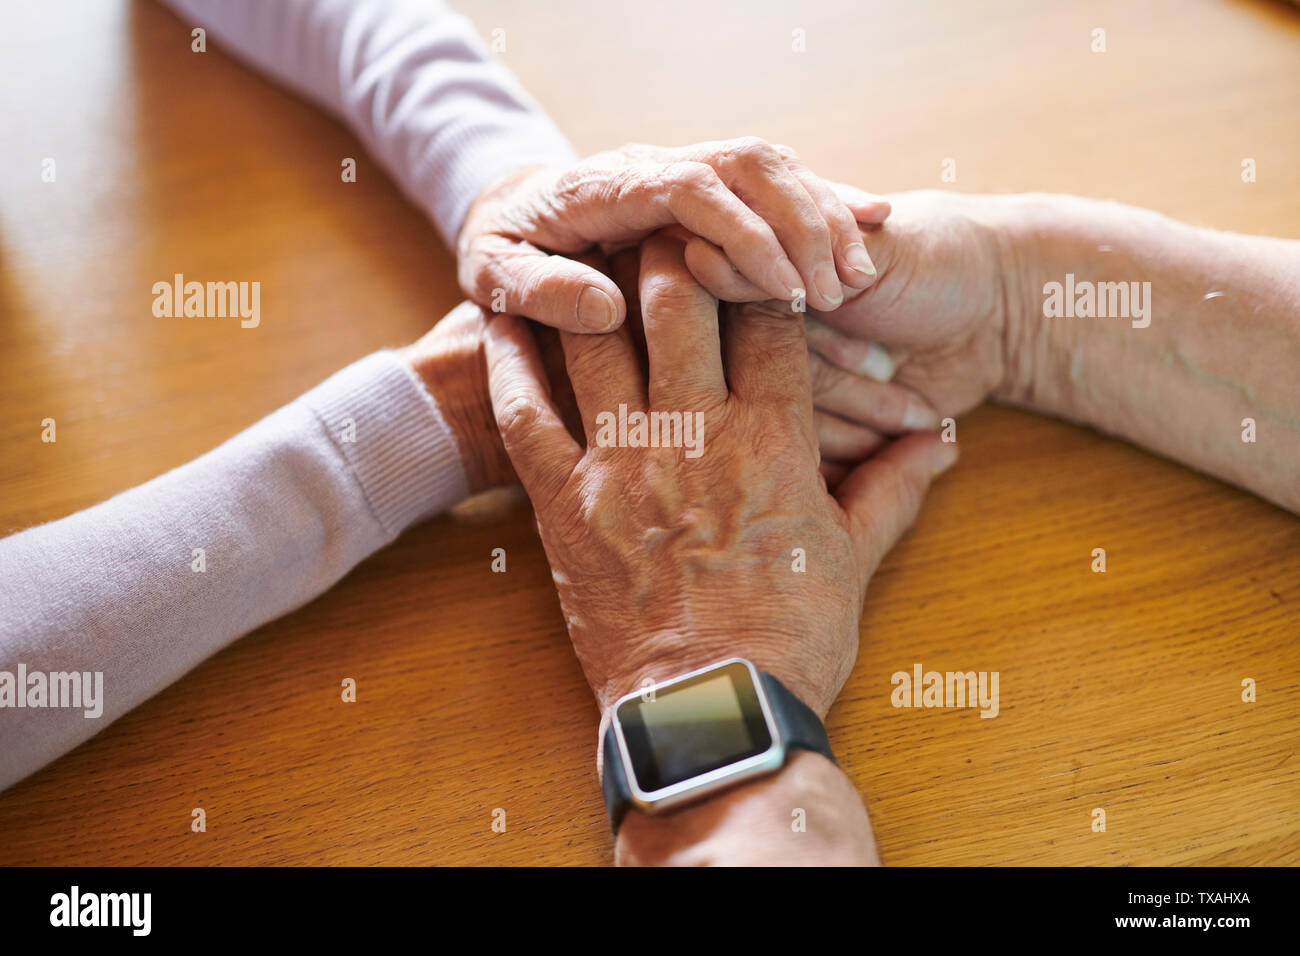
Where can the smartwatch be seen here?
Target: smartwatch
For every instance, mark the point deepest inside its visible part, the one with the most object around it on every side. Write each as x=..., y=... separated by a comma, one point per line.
x=681, y=740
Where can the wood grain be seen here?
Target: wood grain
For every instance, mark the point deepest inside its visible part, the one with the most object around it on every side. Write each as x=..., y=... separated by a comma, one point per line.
x=1119, y=691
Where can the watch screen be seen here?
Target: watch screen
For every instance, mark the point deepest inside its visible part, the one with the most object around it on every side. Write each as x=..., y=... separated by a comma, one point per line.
x=694, y=726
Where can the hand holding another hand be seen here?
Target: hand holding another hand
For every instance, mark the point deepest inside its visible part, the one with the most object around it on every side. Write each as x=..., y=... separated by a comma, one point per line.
x=753, y=206
x=665, y=562
x=927, y=340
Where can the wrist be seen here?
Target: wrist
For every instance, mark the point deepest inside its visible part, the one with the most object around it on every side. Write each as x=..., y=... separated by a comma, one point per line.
x=449, y=361
x=501, y=186
x=807, y=813
x=671, y=652
x=1015, y=229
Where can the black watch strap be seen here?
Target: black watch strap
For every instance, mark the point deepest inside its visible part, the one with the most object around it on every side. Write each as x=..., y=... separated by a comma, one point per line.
x=799, y=726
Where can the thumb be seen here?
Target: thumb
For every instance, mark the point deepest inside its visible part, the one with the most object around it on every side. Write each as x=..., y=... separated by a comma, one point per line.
x=882, y=495
x=509, y=275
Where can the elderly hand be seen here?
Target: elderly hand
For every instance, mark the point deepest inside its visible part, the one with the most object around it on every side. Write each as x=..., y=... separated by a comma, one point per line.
x=940, y=304
x=939, y=309
x=669, y=558
x=754, y=206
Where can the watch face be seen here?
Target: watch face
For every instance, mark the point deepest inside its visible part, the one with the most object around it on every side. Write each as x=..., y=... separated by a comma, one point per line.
x=693, y=726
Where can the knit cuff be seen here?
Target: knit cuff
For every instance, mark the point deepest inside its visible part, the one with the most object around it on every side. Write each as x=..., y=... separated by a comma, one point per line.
x=388, y=429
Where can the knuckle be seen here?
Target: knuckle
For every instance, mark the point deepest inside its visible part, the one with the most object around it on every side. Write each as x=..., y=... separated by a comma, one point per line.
x=689, y=180
x=786, y=153
x=669, y=293
x=569, y=183
x=694, y=175
x=517, y=419
x=624, y=183
x=483, y=281
x=759, y=158
x=529, y=283
x=755, y=149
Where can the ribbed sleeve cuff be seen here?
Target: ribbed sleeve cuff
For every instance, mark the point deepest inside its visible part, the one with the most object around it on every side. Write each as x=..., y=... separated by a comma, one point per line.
x=470, y=158
x=500, y=130
x=388, y=429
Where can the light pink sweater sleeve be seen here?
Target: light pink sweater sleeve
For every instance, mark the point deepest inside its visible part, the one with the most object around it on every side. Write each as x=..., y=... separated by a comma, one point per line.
x=411, y=78
x=120, y=600
x=102, y=609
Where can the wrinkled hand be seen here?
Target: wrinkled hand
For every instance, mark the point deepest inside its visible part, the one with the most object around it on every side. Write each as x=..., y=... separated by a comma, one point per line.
x=666, y=561
x=933, y=325
x=753, y=206
x=939, y=305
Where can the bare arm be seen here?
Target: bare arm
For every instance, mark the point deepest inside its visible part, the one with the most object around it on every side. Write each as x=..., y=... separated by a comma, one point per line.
x=1219, y=342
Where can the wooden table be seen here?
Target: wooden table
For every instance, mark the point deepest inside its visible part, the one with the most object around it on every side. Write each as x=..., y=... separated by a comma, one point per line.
x=1118, y=690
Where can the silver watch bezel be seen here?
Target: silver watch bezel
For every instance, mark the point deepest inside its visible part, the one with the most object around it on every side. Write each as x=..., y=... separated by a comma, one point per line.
x=697, y=787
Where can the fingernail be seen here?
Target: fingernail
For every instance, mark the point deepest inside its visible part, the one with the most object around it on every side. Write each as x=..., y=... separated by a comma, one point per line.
x=944, y=458
x=877, y=364
x=596, y=310
x=828, y=286
x=920, y=418
x=857, y=259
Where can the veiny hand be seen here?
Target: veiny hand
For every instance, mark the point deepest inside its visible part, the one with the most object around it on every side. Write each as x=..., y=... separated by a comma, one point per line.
x=754, y=206
x=665, y=562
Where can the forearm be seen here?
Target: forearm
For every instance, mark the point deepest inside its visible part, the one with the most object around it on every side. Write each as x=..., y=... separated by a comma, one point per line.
x=412, y=80
x=1210, y=336
x=808, y=814
x=146, y=585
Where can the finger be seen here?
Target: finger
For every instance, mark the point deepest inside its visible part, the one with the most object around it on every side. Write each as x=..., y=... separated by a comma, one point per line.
x=551, y=351
x=542, y=451
x=634, y=201
x=834, y=472
x=695, y=196
x=767, y=359
x=713, y=270
x=849, y=352
x=649, y=197
x=757, y=173
x=626, y=269
x=867, y=208
x=885, y=407
x=681, y=330
x=605, y=373
x=509, y=275
x=843, y=440
x=882, y=496
x=852, y=261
